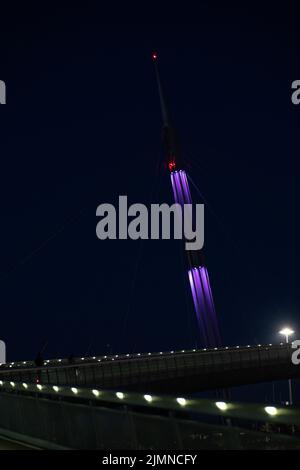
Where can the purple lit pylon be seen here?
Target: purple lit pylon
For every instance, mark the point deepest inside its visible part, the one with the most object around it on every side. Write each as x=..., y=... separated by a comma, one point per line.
x=197, y=271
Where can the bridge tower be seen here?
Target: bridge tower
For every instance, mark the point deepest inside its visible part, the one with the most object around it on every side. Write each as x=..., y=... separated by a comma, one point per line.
x=196, y=267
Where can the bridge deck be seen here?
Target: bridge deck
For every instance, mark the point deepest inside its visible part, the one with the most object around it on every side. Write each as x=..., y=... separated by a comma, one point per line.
x=171, y=372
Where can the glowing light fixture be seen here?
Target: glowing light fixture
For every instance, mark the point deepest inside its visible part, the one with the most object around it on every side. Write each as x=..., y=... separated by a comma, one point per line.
x=181, y=401
x=271, y=410
x=148, y=398
x=221, y=405
x=286, y=332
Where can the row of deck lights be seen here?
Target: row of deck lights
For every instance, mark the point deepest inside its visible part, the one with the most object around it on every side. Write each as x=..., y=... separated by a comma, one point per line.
x=48, y=361
x=221, y=405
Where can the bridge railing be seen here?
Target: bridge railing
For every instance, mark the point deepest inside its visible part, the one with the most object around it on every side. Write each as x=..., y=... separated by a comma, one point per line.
x=245, y=411
x=82, y=418
x=113, y=357
x=182, y=370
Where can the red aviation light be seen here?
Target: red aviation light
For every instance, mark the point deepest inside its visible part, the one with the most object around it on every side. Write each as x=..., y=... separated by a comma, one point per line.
x=172, y=165
x=154, y=56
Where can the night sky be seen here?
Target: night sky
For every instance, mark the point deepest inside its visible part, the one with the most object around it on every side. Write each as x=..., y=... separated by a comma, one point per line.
x=82, y=126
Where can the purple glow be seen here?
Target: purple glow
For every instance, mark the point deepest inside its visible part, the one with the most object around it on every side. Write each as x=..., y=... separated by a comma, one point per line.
x=180, y=187
x=185, y=185
x=174, y=187
x=197, y=309
x=177, y=187
x=204, y=306
x=198, y=276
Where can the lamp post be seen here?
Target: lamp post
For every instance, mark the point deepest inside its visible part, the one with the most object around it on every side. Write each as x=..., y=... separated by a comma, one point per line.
x=288, y=332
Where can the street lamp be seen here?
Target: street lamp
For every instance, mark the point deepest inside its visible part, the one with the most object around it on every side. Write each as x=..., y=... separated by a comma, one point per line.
x=288, y=332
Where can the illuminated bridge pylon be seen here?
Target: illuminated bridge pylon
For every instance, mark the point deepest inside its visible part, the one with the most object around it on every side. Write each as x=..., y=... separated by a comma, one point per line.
x=197, y=271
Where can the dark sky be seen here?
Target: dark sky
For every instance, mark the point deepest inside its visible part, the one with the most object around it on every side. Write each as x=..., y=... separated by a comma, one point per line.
x=82, y=126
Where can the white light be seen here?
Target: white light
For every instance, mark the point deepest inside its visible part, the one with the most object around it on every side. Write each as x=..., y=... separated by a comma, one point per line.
x=12, y=384
x=1, y=383
x=24, y=362
x=74, y=390
x=93, y=358
x=59, y=360
x=39, y=386
x=120, y=395
x=55, y=388
x=25, y=385
x=96, y=393
x=181, y=401
x=271, y=410
x=221, y=405
x=286, y=332
x=148, y=398
x=149, y=354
